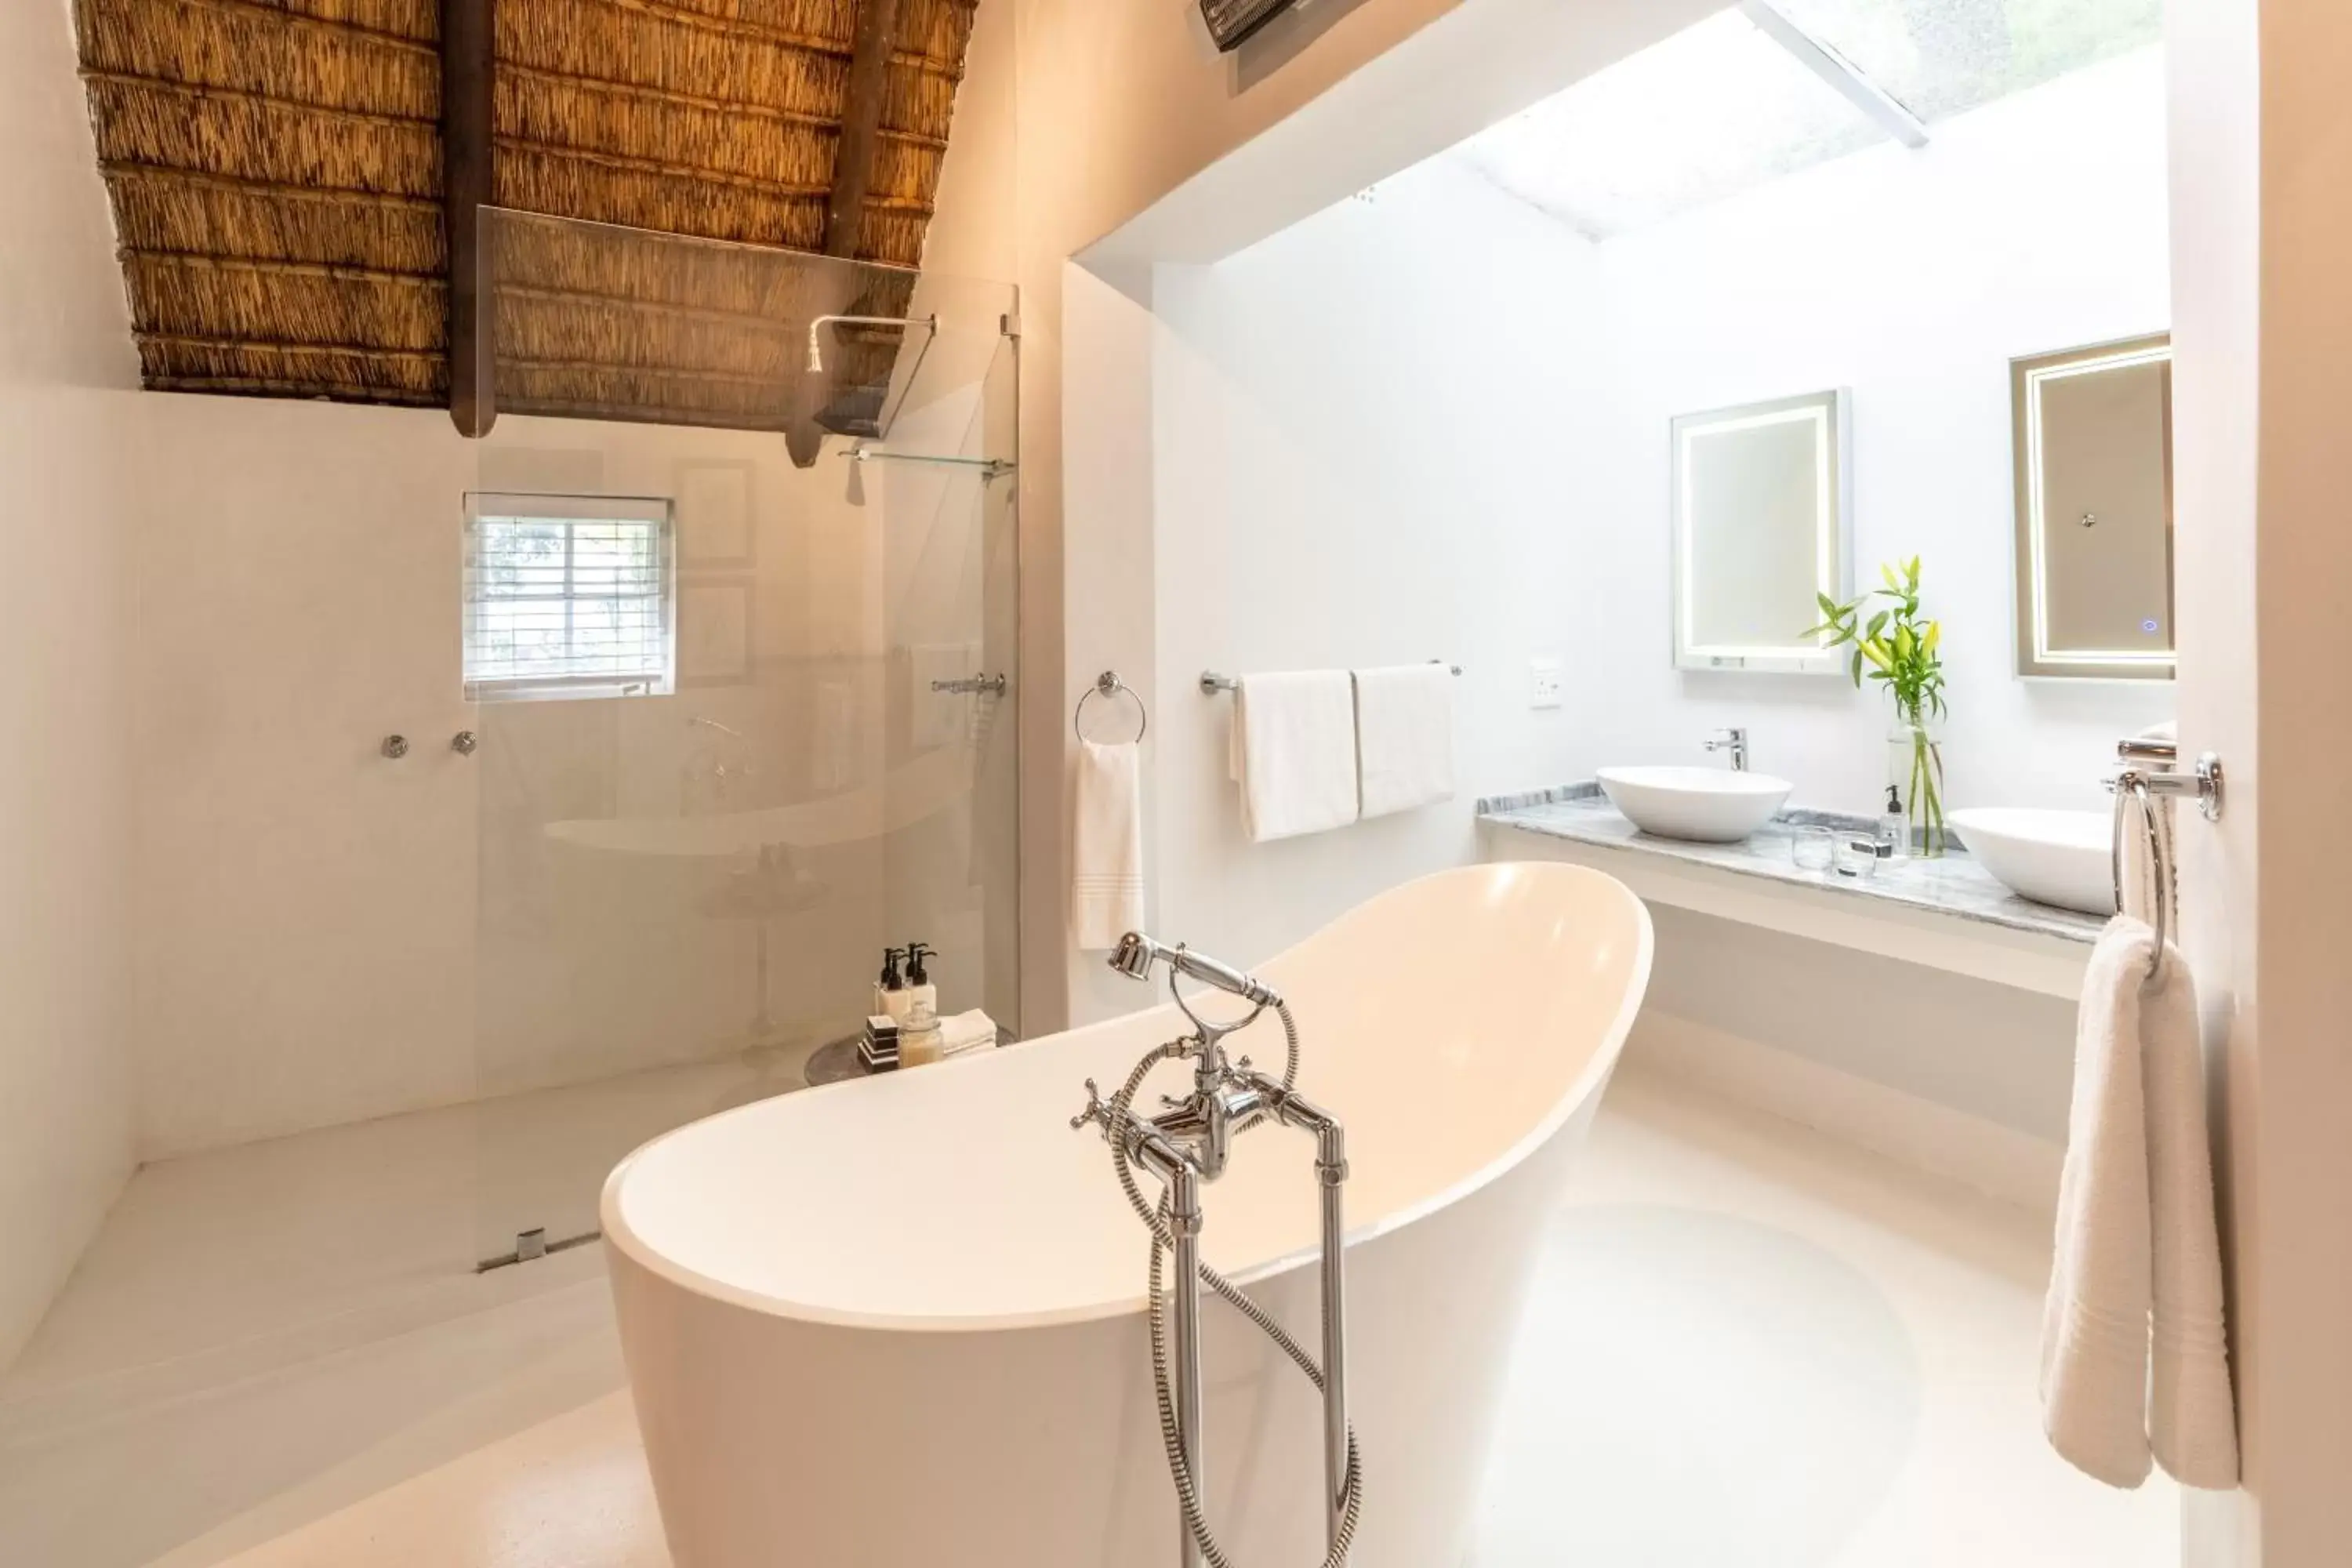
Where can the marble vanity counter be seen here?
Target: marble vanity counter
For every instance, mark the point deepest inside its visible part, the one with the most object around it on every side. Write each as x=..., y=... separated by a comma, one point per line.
x=1952, y=885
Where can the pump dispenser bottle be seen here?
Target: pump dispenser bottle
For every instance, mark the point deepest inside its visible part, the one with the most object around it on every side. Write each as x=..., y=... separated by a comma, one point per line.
x=920, y=991
x=889, y=991
x=1893, y=827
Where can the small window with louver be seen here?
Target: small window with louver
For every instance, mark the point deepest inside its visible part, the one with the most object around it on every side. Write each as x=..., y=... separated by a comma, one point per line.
x=569, y=596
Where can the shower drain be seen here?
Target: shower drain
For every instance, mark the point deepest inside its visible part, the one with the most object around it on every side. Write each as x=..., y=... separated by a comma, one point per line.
x=533, y=1242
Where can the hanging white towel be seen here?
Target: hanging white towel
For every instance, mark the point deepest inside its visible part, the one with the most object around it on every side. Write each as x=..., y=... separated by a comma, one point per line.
x=1405, y=736
x=1107, y=852
x=2192, y=1422
x=2137, y=1260
x=1293, y=752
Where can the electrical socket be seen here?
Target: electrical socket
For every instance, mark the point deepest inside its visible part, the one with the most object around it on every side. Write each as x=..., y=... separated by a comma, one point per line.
x=1543, y=683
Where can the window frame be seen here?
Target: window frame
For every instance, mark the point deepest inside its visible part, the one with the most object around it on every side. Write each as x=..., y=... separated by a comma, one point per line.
x=660, y=511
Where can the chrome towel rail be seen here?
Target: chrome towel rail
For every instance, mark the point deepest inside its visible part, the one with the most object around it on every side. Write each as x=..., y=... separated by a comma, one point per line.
x=1211, y=682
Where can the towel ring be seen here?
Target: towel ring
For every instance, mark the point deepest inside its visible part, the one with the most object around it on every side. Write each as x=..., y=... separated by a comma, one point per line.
x=2132, y=788
x=1108, y=684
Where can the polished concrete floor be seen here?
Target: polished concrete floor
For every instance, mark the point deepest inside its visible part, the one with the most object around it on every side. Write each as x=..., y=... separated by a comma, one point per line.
x=1748, y=1345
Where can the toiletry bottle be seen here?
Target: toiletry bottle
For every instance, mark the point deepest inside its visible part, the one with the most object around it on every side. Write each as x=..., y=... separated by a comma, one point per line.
x=920, y=989
x=920, y=1040
x=889, y=991
x=1892, y=830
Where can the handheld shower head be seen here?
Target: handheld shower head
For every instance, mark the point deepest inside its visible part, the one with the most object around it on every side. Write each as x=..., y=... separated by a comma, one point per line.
x=1137, y=952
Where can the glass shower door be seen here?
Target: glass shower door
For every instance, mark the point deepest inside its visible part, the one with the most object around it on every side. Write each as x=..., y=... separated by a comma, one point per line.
x=948, y=484
x=689, y=873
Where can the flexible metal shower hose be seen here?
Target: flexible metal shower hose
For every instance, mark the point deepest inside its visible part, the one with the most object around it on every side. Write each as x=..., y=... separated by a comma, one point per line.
x=1155, y=1220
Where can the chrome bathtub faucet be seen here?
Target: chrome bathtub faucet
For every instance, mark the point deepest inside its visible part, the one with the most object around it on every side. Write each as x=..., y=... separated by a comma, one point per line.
x=1186, y=1146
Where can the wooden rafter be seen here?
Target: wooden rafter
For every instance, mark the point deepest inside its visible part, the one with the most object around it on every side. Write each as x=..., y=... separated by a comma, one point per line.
x=861, y=126
x=468, y=75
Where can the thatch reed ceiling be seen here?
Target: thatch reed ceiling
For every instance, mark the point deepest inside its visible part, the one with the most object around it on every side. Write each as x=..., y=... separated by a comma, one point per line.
x=277, y=170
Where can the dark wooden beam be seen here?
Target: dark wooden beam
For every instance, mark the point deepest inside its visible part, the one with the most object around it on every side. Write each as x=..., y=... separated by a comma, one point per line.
x=861, y=125
x=845, y=208
x=468, y=67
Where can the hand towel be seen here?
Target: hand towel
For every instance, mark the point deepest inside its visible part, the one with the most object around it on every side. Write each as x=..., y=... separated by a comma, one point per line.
x=1293, y=752
x=1405, y=736
x=2192, y=1424
x=970, y=1031
x=1107, y=852
x=2137, y=1258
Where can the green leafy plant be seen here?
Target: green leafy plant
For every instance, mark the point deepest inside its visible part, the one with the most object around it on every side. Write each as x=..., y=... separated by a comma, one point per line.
x=1896, y=647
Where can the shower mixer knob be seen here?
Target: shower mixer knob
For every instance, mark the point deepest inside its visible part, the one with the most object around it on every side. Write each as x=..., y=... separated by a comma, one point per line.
x=1096, y=1110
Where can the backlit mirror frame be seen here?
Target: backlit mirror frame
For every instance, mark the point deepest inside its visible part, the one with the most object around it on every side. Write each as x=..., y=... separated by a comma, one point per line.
x=2036, y=659
x=1831, y=415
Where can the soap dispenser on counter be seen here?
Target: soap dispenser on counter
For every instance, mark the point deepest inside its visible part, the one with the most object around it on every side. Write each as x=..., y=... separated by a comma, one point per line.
x=920, y=991
x=890, y=997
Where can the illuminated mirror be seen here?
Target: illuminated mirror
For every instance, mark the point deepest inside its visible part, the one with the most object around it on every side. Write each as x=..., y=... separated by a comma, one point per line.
x=1762, y=495
x=2093, y=459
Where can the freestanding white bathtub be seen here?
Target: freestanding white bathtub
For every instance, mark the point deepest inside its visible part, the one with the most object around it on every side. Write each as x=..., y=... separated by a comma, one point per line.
x=899, y=1323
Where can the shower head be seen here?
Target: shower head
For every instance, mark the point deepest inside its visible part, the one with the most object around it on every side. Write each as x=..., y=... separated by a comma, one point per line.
x=1135, y=953
x=931, y=325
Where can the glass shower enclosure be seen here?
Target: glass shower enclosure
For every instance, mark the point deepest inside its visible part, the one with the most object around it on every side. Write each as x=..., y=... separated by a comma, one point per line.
x=740, y=624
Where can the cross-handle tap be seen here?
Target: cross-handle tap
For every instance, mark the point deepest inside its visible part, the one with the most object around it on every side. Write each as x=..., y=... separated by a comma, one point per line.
x=1735, y=740
x=1098, y=1112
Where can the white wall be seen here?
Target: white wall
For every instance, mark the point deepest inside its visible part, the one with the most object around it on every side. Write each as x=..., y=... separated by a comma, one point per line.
x=1353, y=466
x=2036, y=223
x=64, y=362
x=2262, y=241
x=323, y=935
x=1432, y=424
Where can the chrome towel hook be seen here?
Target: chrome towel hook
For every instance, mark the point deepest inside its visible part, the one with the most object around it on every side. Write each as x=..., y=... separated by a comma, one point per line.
x=1107, y=685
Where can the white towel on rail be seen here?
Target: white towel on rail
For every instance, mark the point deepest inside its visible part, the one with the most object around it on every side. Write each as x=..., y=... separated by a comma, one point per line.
x=1107, y=850
x=1293, y=753
x=1405, y=736
x=2133, y=1357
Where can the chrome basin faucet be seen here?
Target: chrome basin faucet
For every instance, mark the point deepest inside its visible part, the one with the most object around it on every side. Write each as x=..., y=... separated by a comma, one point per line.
x=1735, y=740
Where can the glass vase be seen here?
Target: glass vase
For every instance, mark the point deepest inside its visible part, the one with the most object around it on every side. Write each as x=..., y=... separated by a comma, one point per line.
x=1914, y=786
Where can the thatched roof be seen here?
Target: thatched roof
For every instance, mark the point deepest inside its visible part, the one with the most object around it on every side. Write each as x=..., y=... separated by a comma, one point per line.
x=277, y=172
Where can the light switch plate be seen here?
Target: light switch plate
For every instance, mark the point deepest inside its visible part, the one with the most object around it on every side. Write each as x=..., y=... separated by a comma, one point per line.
x=1543, y=683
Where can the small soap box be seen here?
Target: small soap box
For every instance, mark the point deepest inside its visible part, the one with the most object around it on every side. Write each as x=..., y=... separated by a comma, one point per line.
x=878, y=1045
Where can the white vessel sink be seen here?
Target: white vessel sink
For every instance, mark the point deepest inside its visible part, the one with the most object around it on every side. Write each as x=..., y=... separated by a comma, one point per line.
x=1710, y=805
x=2062, y=857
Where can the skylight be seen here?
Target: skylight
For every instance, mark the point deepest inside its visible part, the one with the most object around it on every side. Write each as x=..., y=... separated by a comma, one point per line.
x=1942, y=58
x=1720, y=106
